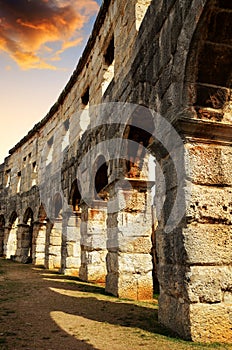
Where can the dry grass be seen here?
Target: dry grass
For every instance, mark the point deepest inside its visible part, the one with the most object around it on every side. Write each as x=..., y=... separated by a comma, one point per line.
x=43, y=310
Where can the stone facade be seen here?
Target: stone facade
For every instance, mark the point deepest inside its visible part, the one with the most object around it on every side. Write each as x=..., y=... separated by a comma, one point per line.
x=75, y=201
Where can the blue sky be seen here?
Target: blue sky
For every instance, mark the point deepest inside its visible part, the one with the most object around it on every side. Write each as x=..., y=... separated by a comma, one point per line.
x=41, y=42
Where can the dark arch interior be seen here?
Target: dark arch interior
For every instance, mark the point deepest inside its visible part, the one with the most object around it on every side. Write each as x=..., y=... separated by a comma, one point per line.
x=212, y=50
x=139, y=130
x=13, y=217
x=58, y=204
x=28, y=215
x=75, y=197
x=42, y=214
x=101, y=178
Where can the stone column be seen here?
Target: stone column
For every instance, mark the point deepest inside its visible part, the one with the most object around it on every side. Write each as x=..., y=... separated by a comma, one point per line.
x=53, y=245
x=71, y=252
x=24, y=243
x=195, y=257
x=129, y=230
x=7, y=251
x=93, y=242
x=39, y=242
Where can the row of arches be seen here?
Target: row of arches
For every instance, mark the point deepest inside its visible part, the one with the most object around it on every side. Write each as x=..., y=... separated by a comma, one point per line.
x=77, y=239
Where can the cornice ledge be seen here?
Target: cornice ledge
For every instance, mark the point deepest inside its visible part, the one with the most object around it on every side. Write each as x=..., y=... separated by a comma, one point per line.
x=204, y=130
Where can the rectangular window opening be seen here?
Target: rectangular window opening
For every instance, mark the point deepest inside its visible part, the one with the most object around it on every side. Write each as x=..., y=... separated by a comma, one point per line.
x=19, y=182
x=85, y=98
x=84, y=117
x=109, y=54
x=108, y=66
x=8, y=176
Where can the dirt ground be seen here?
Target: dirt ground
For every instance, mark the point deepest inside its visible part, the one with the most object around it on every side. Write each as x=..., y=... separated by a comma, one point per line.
x=43, y=310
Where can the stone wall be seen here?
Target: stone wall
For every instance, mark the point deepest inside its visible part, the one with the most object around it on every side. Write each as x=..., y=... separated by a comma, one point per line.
x=174, y=58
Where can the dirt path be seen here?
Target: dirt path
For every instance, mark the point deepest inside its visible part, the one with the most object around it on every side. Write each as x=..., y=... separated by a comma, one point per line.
x=41, y=310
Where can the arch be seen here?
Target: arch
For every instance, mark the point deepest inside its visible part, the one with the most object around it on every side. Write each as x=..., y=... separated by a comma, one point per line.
x=57, y=205
x=208, y=76
x=28, y=216
x=139, y=129
x=75, y=196
x=101, y=177
x=42, y=213
x=12, y=218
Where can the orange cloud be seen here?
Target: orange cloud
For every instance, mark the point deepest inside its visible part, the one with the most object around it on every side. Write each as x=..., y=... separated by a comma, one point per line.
x=29, y=27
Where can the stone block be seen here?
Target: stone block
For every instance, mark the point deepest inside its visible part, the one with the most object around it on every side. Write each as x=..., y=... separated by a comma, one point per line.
x=210, y=165
x=134, y=263
x=208, y=244
x=177, y=317
x=135, y=287
x=209, y=204
x=211, y=323
x=209, y=284
x=73, y=263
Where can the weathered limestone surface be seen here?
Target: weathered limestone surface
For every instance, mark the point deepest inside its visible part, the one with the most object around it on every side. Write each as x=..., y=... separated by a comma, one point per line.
x=93, y=243
x=71, y=236
x=129, y=260
x=173, y=57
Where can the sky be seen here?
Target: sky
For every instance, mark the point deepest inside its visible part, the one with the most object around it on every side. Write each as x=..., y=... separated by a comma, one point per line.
x=41, y=42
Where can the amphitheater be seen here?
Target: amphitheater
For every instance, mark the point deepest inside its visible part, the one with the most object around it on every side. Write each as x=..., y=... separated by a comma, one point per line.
x=127, y=180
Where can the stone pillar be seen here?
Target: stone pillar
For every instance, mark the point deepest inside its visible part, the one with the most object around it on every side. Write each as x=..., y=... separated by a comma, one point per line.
x=5, y=242
x=24, y=243
x=71, y=255
x=195, y=258
x=2, y=230
x=53, y=245
x=129, y=230
x=93, y=242
x=38, y=243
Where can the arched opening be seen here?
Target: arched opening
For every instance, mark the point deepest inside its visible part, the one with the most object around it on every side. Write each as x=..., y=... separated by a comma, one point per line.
x=139, y=130
x=2, y=228
x=57, y=206
x=101, y=178
x=209, y=72
x=10, y=241
x=42, y=214
x=75, y=197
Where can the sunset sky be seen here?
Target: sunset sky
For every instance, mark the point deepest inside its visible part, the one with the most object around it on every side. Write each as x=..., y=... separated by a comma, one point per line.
x=41, y=42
